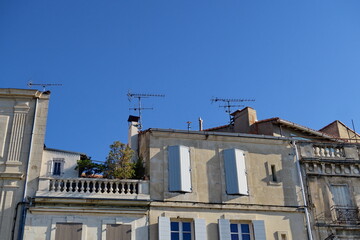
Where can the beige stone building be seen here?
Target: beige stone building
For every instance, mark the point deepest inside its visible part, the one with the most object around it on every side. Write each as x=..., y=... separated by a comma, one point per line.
x=216, y=185
x=42, y=196
x=23, y=115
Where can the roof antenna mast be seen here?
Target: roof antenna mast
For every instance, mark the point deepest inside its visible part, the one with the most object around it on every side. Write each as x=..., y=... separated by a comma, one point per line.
x=44, y=85
x=139, y=96
x=228, y=105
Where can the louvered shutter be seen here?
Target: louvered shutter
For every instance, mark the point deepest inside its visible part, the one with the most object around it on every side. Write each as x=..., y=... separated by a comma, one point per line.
x=235, y=172
x=179, y=169
x=164, y=228
x=259, y=229
x=200, y=229
x=224, y=229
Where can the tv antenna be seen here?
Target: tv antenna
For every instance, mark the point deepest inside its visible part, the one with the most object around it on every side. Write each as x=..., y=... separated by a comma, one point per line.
x=228, y=104
x=139, y=96
x=44, y=85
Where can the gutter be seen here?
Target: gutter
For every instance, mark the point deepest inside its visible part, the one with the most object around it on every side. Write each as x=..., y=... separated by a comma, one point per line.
x=307, y=216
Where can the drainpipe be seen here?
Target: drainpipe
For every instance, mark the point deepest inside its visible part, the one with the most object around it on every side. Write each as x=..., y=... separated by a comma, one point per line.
x=308, y=225
x=24, y=206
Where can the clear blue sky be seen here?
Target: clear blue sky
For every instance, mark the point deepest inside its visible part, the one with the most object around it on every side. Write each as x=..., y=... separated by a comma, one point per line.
x=300, y=60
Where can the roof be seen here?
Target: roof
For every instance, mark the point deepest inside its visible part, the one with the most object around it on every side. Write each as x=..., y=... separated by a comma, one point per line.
x=64, y=151
x=278, y=120
x=297, y=127
x=217, y=128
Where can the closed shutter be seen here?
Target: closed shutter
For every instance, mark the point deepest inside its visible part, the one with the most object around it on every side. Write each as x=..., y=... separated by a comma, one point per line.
x=68, y=231
x=200, y=229
x=179, y=169
x=259, y=229
x=164, y=228
x=235, y=172
x=224, y=229
x=118, y=231
x=341, y=195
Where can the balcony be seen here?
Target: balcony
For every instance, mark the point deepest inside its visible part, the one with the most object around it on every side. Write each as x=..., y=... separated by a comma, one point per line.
x=345, y=215
x=93, y=188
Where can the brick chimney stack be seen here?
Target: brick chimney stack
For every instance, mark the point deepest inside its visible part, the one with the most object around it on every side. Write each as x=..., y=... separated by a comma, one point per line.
x=244, y=119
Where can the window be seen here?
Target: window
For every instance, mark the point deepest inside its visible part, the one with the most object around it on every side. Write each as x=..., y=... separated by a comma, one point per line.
x=179, y=169
x=235, y=172
x=273, y=174
x=240, y=231
x=180, y=230
x=175, y=229
x=57, y=166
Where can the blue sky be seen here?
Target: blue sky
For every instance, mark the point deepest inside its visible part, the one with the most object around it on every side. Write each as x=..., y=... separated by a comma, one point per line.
x=300, y=60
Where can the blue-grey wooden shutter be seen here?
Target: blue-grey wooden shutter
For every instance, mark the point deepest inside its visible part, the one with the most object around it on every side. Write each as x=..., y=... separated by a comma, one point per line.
x=235, y=172
x=179, y=169
x=224, y=229
x=200, y=229
x=259, y=229
x=164, y=228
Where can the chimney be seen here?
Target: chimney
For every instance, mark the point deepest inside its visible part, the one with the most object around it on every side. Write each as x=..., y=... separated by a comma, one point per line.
x=133, y=132
x=243, y=119
x=201, y=122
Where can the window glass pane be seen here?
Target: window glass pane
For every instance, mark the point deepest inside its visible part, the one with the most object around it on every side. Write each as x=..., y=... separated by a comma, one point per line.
x=186, y=226
x=245, y=228
x=175, y=236
x=245, y=237
x=234, y=227
x=187, y=236
x=234, y=237
x=174, y=226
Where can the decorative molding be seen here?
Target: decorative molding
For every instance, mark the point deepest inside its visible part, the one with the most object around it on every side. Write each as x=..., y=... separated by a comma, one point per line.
x=332, y=168
x=17, y=131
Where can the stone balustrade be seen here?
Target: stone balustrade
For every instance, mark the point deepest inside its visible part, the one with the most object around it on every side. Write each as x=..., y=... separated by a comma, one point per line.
x=328, y=151
x=93, y=188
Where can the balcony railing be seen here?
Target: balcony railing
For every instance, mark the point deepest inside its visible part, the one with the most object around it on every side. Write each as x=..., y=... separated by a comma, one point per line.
x=345, y=214
x=93, y=188
x=328, y=151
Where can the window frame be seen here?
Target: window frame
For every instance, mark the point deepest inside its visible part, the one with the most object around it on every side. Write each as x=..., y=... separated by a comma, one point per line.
x=181, y=230
x=60, y=162
x=239, y=233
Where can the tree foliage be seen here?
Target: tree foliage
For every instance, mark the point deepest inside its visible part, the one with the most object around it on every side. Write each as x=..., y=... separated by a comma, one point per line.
x=119, y=163
x=88, y=167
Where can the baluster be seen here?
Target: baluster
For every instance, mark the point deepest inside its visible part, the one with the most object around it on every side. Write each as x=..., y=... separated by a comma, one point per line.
x=82, y=189
x=51, y=185
x=316, y=151
x=61, y=185
x=87, y=189
x=326, y=152
x=337, y=152
x=321, y=151
x=122, y=188
x=332, y=152
x=56, y=185
x=93, y=187
x=117, y=190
